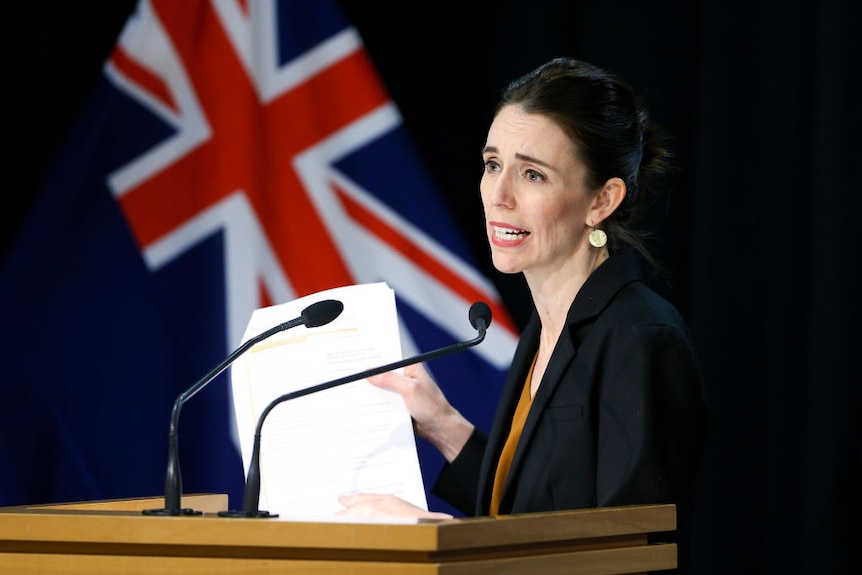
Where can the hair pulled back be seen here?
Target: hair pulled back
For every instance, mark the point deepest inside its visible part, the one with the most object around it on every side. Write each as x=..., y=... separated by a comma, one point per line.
x=609, y=128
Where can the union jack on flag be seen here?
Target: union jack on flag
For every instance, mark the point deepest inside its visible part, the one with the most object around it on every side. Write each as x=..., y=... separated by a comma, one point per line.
x=235, y=154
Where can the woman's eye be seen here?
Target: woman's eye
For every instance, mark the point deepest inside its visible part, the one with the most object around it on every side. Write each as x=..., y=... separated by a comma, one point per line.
x=534, y=176
x=491, y=166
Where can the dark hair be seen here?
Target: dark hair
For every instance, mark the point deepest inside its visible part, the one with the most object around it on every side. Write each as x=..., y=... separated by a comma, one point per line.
x=610, y=129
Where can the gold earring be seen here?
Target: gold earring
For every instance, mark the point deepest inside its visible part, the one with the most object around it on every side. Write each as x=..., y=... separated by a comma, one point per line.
x=598, y=238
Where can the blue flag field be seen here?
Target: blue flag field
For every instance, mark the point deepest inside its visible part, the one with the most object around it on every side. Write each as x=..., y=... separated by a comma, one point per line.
x=233, y=155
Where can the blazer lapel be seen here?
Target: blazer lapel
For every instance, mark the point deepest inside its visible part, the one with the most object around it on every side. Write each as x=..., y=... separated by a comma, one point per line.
x=594, y=296
x=563, y=355
x=521, y=362
x=599, y=289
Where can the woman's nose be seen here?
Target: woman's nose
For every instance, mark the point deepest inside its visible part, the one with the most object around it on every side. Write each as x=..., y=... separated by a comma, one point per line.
x=497, y=191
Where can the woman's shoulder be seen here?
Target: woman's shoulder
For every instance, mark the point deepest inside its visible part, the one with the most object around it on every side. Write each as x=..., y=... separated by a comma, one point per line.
x=640, y=304
x=639, y=295
x=621, y=295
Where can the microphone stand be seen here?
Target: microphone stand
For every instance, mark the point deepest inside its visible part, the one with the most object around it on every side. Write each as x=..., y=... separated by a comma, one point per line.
x=251, y=495
x=313, y=316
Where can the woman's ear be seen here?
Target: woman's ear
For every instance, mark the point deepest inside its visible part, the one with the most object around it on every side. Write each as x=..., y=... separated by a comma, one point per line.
x=606, y=201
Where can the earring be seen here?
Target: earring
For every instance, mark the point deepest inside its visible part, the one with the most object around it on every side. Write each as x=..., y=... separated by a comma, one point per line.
x=598, y=238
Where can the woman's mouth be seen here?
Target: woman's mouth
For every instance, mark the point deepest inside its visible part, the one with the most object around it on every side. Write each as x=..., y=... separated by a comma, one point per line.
x=508, y=236
x=506, y=233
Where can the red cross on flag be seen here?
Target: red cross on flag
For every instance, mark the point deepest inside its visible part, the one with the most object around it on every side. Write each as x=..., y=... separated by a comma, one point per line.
x=234, y=155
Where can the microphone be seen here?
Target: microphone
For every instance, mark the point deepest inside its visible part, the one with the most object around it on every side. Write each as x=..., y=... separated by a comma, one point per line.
x=480, y=319
x=315, y=315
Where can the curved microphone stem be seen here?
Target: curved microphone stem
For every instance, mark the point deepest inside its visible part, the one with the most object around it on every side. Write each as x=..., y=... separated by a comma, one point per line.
x=251, y=496
x=173, y=476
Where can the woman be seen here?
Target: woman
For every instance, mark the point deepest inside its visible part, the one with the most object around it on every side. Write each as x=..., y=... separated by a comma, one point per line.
x=602, y=404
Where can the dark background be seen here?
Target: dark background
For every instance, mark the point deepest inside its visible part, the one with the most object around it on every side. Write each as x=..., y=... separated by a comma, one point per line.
x=760, y=235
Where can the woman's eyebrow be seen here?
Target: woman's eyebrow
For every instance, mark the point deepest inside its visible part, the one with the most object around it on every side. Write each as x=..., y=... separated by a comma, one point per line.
x=523, y=157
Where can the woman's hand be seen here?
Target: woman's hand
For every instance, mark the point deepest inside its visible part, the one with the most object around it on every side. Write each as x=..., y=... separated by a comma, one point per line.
x=434, y=419
x=374, y=505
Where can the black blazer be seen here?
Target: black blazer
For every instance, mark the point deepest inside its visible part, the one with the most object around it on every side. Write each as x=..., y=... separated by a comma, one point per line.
x=617, y=420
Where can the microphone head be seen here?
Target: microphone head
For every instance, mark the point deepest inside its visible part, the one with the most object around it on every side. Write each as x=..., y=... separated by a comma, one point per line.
x=480, y=311
x=322, y=312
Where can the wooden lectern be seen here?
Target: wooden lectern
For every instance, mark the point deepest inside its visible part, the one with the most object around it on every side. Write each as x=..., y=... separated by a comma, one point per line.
x=115, y=537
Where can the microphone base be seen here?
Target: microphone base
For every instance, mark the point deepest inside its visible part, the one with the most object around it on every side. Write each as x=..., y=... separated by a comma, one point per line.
x=258, y=514
x=172, y=512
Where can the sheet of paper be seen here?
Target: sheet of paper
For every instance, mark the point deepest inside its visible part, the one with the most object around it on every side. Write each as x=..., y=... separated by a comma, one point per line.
x=350, y=438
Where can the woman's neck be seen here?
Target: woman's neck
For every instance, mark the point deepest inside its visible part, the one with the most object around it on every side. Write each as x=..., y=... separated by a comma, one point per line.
x=554, y=292
x=553, y=295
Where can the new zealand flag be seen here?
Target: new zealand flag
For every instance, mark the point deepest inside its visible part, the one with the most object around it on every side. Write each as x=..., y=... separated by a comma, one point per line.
x=234, y=155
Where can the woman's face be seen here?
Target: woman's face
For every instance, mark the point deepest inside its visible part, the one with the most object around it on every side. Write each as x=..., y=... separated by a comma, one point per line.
x=533, y=194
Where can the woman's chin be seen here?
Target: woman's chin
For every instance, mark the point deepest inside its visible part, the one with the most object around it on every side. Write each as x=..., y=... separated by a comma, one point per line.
x=506, y=265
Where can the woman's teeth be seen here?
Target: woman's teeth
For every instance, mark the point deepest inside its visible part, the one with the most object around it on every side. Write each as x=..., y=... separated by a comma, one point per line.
x=509, y=233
